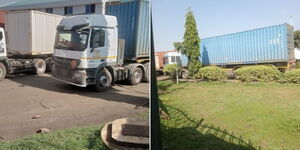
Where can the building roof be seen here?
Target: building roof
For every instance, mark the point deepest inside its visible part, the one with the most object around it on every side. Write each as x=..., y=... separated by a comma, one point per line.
x=34, y=4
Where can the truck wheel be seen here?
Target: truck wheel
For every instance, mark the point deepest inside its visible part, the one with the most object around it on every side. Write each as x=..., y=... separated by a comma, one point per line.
x=2, y=71
x=39, y=66
x=103, y=80
x=147, y=73
x=49, y=64
x=184, y=74
x=136, y=76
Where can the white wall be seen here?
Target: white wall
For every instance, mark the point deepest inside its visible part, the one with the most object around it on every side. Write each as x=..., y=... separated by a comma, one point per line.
x=41, y=9
x=59, y=11
x=79, y=9
x=98, y=8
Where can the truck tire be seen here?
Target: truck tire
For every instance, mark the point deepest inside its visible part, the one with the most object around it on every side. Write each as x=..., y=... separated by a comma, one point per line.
x=147, y=73
x=2, y=71
x=184, y=74
x=103, y=80
x=136, y=76
x=49, y=64
x=39, y=66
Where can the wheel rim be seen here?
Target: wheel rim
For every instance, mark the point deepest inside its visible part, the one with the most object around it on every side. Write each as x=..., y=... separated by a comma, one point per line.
x=1, y=72
x=103, y=81
x=184, y=75
x=137, y=76
x=40, y=67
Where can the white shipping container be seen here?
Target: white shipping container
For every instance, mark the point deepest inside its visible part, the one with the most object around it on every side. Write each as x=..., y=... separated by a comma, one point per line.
x=31, y=32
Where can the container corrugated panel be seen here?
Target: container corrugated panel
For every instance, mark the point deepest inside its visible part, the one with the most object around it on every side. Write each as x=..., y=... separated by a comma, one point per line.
x=2, y=17
x=18, y=30
x=133, y=23
x=31, y=32
x=269, y=44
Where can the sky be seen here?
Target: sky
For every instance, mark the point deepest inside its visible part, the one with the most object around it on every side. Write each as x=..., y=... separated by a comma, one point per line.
x=218, y=17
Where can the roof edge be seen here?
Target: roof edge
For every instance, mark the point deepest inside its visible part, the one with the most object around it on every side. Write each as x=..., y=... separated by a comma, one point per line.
x=49, y=4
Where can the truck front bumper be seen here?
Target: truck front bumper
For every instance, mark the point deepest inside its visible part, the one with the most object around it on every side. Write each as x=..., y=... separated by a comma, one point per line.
x=78, y=77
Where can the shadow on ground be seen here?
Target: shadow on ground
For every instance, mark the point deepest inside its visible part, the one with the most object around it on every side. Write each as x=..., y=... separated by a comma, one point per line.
x=182, y=132
x=128, y=95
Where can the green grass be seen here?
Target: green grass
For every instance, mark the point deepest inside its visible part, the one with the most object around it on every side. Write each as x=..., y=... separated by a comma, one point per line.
x=267, y=114
x=70, y=139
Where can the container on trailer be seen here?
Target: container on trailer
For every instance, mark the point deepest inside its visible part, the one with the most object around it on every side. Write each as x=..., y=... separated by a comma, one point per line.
x=133, y=24
x=31, y=32
x=2, y=18
x=263, y=45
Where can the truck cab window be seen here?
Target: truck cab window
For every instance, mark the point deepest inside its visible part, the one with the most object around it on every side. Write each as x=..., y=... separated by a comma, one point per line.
x=1, y=43
x=98, y=38
x=1, y=36
x=173, y=59
x=72, y=40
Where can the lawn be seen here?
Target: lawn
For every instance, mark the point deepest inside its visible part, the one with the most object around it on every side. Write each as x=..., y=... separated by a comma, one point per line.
x=229, y=115
x=70, y=139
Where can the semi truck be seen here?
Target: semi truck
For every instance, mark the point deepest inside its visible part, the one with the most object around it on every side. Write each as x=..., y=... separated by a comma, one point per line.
x=26, y=43
x=272, y=45
x=179, y=59
x=99, y=50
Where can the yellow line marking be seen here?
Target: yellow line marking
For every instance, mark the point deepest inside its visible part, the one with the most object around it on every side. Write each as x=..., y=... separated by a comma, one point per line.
x=99, y=57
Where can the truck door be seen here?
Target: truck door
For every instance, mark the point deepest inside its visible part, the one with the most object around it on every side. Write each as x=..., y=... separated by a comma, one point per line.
x=104, y=45
x=2, y=43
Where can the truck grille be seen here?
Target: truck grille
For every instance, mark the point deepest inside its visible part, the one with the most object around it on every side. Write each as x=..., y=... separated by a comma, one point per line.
x=63, y=68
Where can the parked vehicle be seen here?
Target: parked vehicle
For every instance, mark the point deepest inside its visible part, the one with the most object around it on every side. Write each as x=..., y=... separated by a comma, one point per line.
x=99, y=50
x=297, y=54
x=27, y=42
x=159, y=61
x=270, y=45
x=179, y=59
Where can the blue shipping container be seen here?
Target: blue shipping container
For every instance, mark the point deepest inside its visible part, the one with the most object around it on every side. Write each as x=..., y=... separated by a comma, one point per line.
x=264, y=45
x=133, y=22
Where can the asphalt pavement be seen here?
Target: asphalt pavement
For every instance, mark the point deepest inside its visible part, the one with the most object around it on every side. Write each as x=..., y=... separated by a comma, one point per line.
x=58, y=105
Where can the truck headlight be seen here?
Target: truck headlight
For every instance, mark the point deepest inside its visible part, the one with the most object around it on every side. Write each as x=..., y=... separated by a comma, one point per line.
x=80, y=75
x=73, y=64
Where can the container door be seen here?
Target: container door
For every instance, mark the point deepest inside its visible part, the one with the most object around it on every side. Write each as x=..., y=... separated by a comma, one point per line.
x=2, y=43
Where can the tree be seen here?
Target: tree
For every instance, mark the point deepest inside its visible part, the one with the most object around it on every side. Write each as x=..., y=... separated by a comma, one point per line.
x=297, y=38
x=191, y=44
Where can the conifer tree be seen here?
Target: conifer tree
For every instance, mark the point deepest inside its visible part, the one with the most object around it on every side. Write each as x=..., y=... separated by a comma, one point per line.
x=191, y=44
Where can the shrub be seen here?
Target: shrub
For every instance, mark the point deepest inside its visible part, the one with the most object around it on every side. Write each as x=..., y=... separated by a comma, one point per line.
x=170, y=69
x=259, y=73
x=211, y=73
x=298, y=64
x=292, y=76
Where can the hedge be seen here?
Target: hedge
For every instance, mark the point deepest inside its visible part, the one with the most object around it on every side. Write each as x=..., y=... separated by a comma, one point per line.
x=292, y=76
x=211, y=73
x=259, y=73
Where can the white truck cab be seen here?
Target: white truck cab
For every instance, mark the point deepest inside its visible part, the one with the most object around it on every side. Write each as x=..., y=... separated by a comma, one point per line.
x=88, y=52
x=3, y=57
x=179, y=59
x=2, y=43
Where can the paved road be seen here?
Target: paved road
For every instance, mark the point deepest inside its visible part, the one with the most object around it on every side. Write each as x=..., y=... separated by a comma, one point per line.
x=61, y=105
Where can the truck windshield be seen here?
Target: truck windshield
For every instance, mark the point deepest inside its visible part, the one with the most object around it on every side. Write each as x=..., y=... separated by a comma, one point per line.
x=72, y=40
